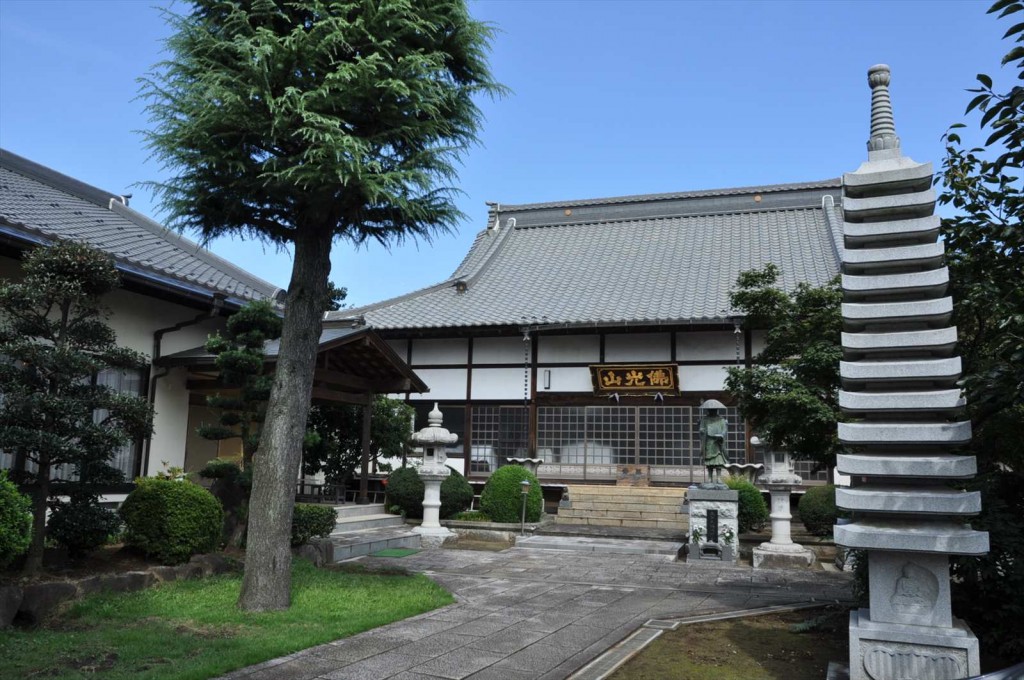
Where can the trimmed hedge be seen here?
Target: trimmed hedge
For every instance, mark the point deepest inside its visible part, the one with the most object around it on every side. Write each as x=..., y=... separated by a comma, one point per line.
x=171, y=520
x=818, y=511
x=753, y=510
x=15, y=521
x=310, y=520
x=405, y=489
x=82, y=525
x=502, y=499
x=456, y=495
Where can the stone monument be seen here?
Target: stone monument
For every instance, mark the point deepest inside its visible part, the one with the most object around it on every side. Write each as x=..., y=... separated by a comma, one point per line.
x=713, y=507
x=780, y=480
x=713, y=428
x=433, y=439
x=899, y=387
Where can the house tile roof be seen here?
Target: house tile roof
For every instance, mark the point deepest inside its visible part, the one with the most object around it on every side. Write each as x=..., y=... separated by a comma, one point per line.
x=637, y=260
x=38, y=205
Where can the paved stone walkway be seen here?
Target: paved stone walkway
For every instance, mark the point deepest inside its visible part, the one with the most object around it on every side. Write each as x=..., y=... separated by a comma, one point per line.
x=525, y=614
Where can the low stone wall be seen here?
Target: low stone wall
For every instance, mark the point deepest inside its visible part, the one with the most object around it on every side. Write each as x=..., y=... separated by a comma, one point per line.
x=31, y=604
x=497, y=532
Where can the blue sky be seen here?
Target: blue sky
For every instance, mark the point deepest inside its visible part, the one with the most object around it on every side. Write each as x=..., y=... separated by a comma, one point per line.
x=609, y=98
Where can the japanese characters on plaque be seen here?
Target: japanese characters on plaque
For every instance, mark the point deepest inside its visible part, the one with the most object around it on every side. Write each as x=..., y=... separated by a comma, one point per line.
x=634, y=378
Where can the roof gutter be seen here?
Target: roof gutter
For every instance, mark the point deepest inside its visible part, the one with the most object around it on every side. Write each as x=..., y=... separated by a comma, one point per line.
x=158, y=336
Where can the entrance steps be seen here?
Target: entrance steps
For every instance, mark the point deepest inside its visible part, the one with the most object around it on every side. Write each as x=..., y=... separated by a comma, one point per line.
x=625, y=506
x=364, y=529
x=597, y=544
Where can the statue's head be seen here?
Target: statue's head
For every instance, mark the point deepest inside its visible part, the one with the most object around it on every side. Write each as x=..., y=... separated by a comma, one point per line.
x=712, y=408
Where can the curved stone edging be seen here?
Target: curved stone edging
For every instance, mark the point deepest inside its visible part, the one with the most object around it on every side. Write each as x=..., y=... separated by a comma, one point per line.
x=33, y=603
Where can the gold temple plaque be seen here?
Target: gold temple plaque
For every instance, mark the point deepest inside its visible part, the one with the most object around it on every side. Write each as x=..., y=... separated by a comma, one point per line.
x=635, y=378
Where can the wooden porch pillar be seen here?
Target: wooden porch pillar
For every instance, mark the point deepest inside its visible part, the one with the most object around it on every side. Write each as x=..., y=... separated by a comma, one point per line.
x=363, y=498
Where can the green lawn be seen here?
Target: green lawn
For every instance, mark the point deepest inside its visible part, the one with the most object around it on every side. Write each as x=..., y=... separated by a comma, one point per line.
x=191, y=629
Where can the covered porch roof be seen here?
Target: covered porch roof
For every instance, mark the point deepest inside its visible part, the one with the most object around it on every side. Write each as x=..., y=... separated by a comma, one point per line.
x=353, y=363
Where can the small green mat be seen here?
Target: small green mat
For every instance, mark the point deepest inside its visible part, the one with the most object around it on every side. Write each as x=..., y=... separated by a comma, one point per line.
x=395, y=552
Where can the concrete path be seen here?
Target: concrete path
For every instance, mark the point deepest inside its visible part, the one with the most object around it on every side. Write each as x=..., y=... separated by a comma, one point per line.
x=523, y=614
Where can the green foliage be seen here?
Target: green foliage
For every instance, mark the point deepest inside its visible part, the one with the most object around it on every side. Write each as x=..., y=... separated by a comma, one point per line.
x=502, y=496
x=310, y=520
x=337, y=449
x=15, y=521
x=987, y=589
x=472, y=516
x=81, y=525
x=789, y=395
x=753, y=510
x=985, y=253
x=171, y=520
x=405, y=490
x=241, y=363
x=817, y=508
x=55, y=339
x=456, y=495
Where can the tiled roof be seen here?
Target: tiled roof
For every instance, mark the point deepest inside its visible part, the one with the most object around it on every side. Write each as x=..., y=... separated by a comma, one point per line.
x=666, y=258
x=38, y=204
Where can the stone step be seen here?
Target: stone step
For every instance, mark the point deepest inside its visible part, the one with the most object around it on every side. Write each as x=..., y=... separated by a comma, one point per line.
x=658, y=505
x=622, y=546
x=681, y=523
x=619, y=514
x=353, y=510
x=624, y=491
x=357, y=543
x=363, y=522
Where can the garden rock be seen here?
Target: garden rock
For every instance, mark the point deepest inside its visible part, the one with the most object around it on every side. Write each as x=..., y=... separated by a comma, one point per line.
x=10, y=601
x=213, y=564
x=164, y=574
x=116, y=583
x=312, y=551
x=41, y=600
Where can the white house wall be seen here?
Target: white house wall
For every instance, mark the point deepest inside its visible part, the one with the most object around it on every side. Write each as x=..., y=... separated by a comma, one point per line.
x=446, y=351
x=554, y=349
x=702, y=378
x=499, y=383
x=444, y=383
x=565, y=379
x=637, y=347
x=707, y=345
x=500, y=350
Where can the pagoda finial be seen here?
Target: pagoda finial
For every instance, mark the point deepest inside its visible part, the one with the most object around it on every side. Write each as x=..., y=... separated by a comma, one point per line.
x=883, y=126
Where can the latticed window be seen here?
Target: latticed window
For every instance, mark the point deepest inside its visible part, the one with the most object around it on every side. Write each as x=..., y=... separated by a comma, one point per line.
x=499, y=433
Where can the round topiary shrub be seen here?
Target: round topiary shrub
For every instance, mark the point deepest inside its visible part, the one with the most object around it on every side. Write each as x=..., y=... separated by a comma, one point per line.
x=818, y=511
x=81, y=525
x=171, y=520
x=753, y=510
x=405, y=489
x=15, y=521
x=310, y=520
x=456, y=495
x=502, y=499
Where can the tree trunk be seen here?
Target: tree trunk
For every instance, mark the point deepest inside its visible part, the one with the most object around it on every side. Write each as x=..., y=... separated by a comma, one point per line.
x=266, y=585
x=34, y=558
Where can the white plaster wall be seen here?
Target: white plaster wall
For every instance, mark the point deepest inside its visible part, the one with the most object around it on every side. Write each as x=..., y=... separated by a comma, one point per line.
x=633, y=347
x=566, y=379
x=135, y=317
x=440, y=351
x=500, y=350
x=499, y=383
x=400, y=346
x=568, y=348
x=704, y=345
x=444, y=383
x=170, y=422
x=702, y=378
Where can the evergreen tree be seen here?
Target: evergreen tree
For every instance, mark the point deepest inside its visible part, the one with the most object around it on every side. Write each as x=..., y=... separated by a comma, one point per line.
x=300, y=123
x=55, y=340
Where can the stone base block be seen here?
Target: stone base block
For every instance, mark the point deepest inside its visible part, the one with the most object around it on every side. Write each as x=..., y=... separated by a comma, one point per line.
x=887, y=651
x=837, y=671
x=433, y=537
x=771, y=556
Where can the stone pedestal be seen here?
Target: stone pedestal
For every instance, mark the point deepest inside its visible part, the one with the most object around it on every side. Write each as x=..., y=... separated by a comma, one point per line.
x=432, y=534
x=718, y=539
x=781, y=552
x=879, y=651
x=531, y=464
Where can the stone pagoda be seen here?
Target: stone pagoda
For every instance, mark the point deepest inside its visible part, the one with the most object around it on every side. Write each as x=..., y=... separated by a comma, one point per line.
x=899, y=380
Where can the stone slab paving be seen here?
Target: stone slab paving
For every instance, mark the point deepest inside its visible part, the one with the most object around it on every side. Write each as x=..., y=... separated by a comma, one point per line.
x=538, y=614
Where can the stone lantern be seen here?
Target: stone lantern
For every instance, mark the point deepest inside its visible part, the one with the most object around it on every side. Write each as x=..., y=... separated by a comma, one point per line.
x=433, y=439
x=780, y=480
